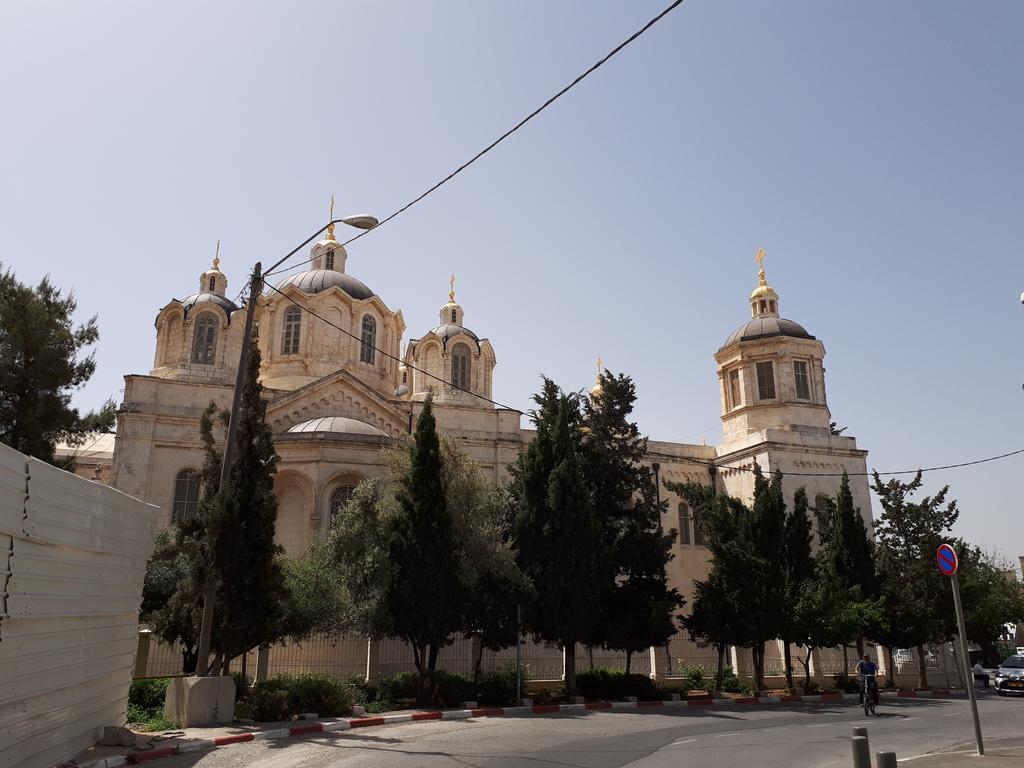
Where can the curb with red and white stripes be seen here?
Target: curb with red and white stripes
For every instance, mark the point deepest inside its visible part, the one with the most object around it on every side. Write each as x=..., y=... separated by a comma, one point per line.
x=328, y=726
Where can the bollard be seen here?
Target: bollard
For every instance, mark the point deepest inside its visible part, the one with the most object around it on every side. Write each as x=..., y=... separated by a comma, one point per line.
x=860, y=731
x=886, y=760
x=861, y=752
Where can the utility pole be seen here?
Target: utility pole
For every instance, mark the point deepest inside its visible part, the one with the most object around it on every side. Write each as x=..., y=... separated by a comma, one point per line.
x=255, y=288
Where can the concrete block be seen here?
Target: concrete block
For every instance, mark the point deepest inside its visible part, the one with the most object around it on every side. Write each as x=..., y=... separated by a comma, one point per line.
x=526, y=702
x=468, y=704
x=200, y=700
x=358, y=710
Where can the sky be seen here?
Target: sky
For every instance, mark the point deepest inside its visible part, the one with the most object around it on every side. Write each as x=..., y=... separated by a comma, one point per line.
x=873, y=149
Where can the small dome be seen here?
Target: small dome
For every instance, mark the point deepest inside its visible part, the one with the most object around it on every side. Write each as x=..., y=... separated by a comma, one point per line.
x=764, y=291
x=209, y=298
x=765, y=327
x=450, y=330
x=338, y=425
x=317, y=280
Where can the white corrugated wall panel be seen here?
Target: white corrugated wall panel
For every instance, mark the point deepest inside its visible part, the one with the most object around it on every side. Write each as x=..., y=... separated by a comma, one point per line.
x=75, y=558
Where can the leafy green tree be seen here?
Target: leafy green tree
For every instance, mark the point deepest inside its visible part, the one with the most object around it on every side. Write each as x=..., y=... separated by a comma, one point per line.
x=915, y=597
x=638, y=605
x=562, y=543
x=41, y=367
x=799, y=573
x=828, y=614
x=992, y=597
x=426, y=595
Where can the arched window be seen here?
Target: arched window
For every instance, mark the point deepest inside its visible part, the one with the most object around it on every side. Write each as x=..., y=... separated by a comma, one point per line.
x=684, y=523
x=213, y=283
x=460, y=366
x=366, y=350
x=329, y=259
x=186, y=494
x=204, y=340
x=454, y=316
x=340, y=496
x=698, y=533
x=292, y=330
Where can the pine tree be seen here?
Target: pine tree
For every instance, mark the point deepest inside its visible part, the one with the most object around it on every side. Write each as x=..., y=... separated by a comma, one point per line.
x=561, y=542
x=637, y=603
x=40, y=368
x=426, y=597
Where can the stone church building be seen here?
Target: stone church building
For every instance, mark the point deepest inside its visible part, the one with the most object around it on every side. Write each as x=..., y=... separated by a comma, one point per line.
x=337, y=400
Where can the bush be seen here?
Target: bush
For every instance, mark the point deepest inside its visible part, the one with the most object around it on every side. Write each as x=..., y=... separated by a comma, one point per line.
x=241, y=685
x=696, y=678
x=268, y=703
x=283, y=697
x=604, y=683
x=732, y=684
x=846, y=683
x=498, y=688
x=148, y=695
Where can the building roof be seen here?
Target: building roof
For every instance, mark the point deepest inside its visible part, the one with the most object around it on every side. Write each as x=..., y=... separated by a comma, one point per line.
x=209, y=298
x=765, y=327
x=338, y=425
x=317, y=280
x=449, y=330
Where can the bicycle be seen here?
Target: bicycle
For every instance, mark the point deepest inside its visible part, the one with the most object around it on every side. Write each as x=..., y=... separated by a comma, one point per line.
x=869, y=693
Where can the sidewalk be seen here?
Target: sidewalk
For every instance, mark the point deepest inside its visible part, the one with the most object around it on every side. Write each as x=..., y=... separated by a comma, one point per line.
x=999, y=753
x=150, y=746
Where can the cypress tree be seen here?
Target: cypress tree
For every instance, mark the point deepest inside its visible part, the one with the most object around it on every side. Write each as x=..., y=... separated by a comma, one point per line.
x=426, y=597
x=799, y=571
x=561, y=542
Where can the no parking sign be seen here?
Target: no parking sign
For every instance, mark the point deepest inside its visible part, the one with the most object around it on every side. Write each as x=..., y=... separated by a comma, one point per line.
x=947, y=560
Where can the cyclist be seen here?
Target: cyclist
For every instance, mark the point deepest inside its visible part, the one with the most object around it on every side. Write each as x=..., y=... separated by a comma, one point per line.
x=866, y=670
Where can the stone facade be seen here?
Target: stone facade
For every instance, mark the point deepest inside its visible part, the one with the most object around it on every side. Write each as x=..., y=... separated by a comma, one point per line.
x=340, y=392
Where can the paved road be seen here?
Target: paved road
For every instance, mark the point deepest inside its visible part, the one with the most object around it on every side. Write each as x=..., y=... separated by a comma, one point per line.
x=796, y=736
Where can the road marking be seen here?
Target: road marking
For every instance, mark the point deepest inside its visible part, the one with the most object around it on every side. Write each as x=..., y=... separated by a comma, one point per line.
x=823, y=725
x=682, y=741
x=723, y=735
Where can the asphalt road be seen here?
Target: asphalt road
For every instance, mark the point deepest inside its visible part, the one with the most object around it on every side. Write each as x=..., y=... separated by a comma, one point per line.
x=795, y=736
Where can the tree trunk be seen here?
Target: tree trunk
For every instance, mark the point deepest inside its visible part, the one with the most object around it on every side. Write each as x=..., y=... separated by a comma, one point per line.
x=758, y=657
x=432, y=695
x=570, y=669
x=215, y=667
x=860, y=646
x=419, y=652
x=478, y=657
x=590, y=655
x=720, y=672
x=891, y=667
x=788, y=660
x=846, y=661
x=629, y=660
x=922, y=669
x=806, y=661
x=189, y=660
x=668, y=660
x=245, y=677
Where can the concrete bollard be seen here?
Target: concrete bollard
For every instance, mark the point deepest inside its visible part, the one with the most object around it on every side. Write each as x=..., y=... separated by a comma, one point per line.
x=861, y=752
x=886, y=760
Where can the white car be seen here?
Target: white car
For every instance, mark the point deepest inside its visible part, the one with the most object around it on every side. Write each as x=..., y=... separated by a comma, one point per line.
x=1010, y=676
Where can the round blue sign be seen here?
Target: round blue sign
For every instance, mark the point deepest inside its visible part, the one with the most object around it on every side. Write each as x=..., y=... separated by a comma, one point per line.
x=947, y=560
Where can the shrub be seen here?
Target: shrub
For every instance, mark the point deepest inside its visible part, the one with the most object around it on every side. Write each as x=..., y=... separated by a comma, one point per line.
x=244, y=711
x=282, y=697
x=846, y=683
x=268, y=703
x=241, y=685
x=696, y=678
x=604, y=683
x=148, y=695
x=498, y=688
x=732, y=684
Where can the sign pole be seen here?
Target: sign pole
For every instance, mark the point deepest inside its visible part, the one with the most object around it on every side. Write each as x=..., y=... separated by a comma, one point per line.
x=967, y=663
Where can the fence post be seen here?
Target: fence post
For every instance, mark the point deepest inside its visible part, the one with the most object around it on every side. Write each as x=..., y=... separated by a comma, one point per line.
x=142, y=653
x=372, y=660
x=262, y=662
x=658, y=671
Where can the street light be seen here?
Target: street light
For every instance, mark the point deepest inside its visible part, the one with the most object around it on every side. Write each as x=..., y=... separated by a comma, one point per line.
x=359, y=221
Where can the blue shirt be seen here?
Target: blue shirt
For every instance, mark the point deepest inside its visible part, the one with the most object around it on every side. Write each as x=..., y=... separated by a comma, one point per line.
x=868, y=668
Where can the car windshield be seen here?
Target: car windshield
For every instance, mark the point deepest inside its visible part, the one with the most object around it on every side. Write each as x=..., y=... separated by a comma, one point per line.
x=1013, y=661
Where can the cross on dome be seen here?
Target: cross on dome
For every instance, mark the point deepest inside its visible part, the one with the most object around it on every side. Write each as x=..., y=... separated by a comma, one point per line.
x=764, y=301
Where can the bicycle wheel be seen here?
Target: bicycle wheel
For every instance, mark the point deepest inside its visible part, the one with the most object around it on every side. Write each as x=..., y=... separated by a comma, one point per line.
x=867, y=703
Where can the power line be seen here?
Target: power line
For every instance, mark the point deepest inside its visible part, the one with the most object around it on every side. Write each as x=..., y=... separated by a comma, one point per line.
x=694, y=460
x=514, y=128
x=388, y=355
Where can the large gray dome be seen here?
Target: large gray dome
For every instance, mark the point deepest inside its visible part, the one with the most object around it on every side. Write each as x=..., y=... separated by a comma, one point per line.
x=449, y=330
x=317, y=280
x=338, y=425
x=209, y=298
x=765, y=328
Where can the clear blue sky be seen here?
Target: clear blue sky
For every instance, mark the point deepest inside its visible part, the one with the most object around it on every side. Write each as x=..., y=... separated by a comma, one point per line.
x=874, y=149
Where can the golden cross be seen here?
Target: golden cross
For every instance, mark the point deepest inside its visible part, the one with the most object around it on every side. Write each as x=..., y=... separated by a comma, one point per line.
x=451, y=286
x=600, y=362
x=760, y=259
x=216, y=257
x=330, y=226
